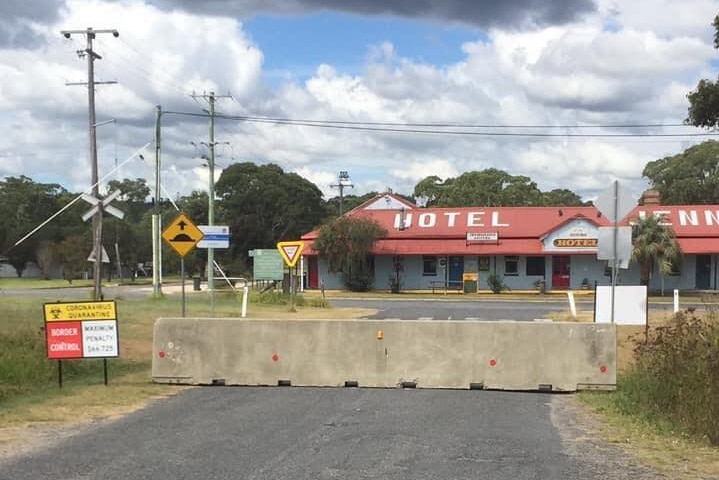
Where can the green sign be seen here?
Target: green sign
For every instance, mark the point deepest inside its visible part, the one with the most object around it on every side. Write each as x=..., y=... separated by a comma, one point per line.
x=268, y=264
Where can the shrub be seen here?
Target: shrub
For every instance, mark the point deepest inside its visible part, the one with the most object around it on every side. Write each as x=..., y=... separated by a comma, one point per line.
x=496, y=283
x=676, y=376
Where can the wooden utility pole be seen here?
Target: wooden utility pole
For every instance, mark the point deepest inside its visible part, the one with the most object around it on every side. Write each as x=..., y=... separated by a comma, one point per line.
x=97, y=218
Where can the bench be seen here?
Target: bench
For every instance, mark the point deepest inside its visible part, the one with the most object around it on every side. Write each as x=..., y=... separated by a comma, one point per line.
x=442, y=285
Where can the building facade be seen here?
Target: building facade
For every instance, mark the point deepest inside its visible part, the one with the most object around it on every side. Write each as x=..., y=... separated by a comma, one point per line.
x=524, y=247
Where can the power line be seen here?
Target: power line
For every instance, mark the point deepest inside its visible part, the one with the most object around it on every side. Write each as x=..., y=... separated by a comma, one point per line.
x=142, y=73
x=459, y=125
x=400, y=128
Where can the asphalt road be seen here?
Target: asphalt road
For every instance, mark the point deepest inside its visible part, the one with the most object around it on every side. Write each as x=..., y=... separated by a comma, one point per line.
x=461, y=309
x=314, y=433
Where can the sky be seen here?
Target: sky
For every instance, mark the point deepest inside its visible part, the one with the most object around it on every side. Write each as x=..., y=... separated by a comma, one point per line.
x=390, y=91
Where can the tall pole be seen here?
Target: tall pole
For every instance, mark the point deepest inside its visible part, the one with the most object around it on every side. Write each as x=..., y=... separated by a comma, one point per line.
x=156, y=216
x=211, y=99
x=211, y=199
x=615, y=263
x=97, y=218
x=343, y=180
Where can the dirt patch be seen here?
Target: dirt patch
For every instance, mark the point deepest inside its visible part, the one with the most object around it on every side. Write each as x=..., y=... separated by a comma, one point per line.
x=28, y=428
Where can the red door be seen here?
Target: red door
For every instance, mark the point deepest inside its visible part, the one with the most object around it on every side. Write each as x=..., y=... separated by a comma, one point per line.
x=560, y=272
x=312, y=272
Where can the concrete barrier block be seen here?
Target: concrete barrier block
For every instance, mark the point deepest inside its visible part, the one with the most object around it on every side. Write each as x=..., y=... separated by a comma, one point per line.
x=385, y=353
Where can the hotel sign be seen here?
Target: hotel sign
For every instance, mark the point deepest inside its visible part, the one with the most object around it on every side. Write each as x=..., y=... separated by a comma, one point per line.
x=482, y=237
x=575, y=242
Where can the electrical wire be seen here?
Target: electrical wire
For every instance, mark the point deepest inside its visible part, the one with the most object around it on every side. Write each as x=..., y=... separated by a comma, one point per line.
x=400, y=128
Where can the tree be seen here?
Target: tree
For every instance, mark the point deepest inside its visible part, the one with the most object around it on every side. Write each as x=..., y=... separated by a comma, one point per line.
x=704, y=101
x=561, y=197
x=25, y=204
x=72, y=253
x=345, y=243
x=654, y=243
x=691, y=177
x=431, y=189
x=132, y=190
x=263, y=204
x=134, y=197
x=491, y=188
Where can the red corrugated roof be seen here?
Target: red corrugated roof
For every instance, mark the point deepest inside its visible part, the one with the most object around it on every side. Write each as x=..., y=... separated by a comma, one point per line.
x=520, y=229
x=509, y=222
x=687, y=221
x=699, y=245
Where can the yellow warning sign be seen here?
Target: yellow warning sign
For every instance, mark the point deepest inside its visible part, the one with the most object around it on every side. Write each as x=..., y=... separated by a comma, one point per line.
x=73, y=311
x=182, y=234
x=291, y=251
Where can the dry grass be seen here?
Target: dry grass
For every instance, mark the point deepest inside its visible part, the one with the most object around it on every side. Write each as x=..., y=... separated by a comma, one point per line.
x=48, y=413
x=655, y=442
x=671, y=453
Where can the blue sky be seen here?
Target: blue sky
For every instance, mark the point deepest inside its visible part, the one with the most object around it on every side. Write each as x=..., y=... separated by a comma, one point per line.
x=514, y=62
x=295, y=45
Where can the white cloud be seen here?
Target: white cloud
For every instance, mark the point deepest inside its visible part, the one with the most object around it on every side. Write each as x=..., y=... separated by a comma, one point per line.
x=639, y=70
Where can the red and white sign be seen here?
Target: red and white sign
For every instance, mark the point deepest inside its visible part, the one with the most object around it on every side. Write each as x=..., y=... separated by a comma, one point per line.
x=81, y=330
x=291, y=251
x=64, y=340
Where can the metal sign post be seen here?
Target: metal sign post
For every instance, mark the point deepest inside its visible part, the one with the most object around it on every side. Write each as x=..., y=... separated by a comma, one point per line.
x=615, y=203
x=182, y=235
x=291, y=253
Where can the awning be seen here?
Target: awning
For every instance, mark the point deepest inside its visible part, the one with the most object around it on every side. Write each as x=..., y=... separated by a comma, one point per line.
x=459, y=246
x=699, y=246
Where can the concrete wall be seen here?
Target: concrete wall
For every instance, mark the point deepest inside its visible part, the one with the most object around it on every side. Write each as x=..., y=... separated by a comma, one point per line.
x=385, y=353
x=582, y=266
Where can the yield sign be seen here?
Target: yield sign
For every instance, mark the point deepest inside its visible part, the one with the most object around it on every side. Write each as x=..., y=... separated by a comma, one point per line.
x=291, y=251
x=106, y=207
x=182, y=234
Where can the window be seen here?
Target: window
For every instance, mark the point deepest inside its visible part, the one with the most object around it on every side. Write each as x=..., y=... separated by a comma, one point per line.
x=483, y=264
x=674, y=267
x=535, y=266
x=429, y=266
x=511, y=265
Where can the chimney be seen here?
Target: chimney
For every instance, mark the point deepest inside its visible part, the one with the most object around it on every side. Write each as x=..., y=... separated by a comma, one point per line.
x=652, y=197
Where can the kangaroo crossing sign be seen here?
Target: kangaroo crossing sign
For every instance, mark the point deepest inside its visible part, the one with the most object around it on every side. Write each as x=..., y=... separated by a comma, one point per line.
x=291, y=251
x=182, y=235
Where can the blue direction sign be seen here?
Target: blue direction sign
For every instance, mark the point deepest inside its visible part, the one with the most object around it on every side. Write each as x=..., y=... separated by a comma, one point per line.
x=214, y=236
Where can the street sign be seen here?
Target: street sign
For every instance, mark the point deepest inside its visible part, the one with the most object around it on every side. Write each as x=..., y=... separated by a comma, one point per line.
x=70, y=311
x=105, y=257
x=267, y=264
x=214, y=236
x=182, y=235
x=106, y=207
x=605, y=245
x=615, y=202
x=291, y=251
x=81, y=330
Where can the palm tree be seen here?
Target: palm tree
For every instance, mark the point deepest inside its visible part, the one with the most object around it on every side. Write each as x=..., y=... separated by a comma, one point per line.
x=654, y=243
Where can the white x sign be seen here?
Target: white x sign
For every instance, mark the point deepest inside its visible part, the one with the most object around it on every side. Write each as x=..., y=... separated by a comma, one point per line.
x=106, y=207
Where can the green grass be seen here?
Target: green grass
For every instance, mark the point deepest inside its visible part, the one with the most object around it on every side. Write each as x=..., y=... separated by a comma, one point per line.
x=673, y=383
x=17, y=283
x=25, y=371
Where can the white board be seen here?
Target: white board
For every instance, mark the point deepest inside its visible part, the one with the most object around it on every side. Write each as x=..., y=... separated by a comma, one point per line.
x=630, y=306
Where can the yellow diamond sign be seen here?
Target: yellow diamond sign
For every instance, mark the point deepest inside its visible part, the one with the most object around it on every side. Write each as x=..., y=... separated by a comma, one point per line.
x=182, y=234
